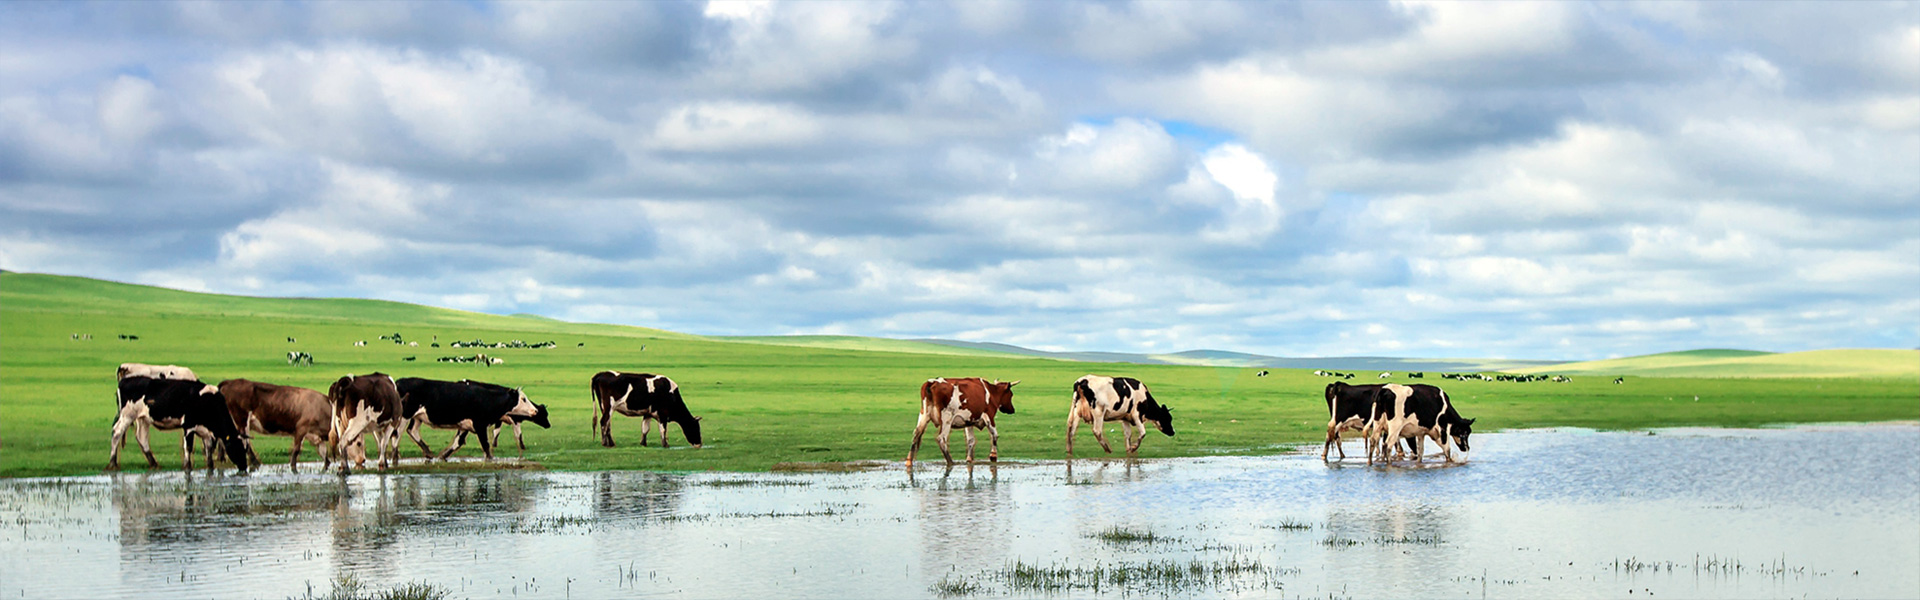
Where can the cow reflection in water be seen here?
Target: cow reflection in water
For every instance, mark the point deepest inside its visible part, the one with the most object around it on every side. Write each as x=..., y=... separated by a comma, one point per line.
x=173, y=521
x=966, y=521
x=620, y=496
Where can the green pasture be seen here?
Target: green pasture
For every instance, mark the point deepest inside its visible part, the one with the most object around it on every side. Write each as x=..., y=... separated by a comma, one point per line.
x=1881, y=363
x=764, y=405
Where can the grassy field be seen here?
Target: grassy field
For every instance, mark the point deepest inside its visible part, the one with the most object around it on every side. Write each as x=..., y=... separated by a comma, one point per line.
x=763, y=404
x=1886, y=363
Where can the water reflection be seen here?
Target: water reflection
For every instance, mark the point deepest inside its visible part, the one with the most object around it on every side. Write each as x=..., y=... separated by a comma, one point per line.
x=1539, y=513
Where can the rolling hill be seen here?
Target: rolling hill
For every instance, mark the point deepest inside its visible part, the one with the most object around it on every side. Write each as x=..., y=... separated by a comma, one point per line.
x=1751, y=364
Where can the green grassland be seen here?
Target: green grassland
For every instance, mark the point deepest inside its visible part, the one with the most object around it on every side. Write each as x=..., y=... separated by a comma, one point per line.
x=763, y=404
x=1865, y=363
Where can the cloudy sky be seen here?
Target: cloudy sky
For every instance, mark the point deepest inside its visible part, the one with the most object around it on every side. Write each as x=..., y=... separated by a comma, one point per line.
x=1474, y=179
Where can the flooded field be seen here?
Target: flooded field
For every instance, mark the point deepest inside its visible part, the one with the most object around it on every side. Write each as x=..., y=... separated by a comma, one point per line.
x=1811, y=511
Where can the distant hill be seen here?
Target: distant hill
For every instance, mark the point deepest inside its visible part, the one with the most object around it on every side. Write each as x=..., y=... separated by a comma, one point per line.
x=1223, y=358
x=1749, y=363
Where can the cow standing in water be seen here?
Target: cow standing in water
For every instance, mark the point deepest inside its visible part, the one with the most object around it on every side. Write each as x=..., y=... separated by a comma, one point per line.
x=299, y=412
x=650, y=397
x=1098, y=399
x=197, y=409
x=1416, y=411
x=361, y=405
x=967, y=403
x=1350, y=407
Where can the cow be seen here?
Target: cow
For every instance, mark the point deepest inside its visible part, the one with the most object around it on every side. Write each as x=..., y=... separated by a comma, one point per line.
x=1262, y=373
x=967, y=403
x=463, y=406
x=1349, y=407
x=366, y=404
x=511, y=419
x=650, y=397
x=301, y=413
x=1416, y=411
x=297, y=357
x=195, y=408
x=174, y=372
x=1098, y=399
x=1619, y=380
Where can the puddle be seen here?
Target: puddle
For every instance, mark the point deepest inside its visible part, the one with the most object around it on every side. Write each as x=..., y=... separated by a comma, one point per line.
x=1696, y=513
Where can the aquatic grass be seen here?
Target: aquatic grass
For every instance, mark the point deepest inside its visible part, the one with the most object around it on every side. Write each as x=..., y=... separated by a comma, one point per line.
x=1164, y=576
x=348, y=587
x=1428, y=540
x=1335, y=541
x=1122, y=535
x=733, y=483
x=948, y=587
x=1291, y=525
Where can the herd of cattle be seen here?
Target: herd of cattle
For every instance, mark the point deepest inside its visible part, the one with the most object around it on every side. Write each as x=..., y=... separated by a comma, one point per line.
x=1394, y=419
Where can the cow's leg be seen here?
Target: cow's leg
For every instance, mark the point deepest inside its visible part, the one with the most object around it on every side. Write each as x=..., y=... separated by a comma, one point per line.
x=663, y=431
x=186, y=451
x=946, y=428
x=1333, y=439
x=141, y=431
x=118, y=439
x=993, y=442
x=606, y=423
x=969, y=431
x=388, y=440
x=1135, y=434
x=1100, y=428
x=919, y=429
x=293, y=462
x=413, y=431
x=517, y=440
x=459, y=440
x=646, y=427
x=485, y=447
x=1073, y=426
x=248, y=440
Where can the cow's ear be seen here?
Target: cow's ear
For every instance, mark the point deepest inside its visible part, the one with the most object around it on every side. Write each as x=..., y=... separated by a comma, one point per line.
x=1470, y=421
x=698, y=418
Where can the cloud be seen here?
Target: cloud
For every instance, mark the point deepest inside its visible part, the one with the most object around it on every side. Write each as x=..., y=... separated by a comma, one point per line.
x=1569, y=180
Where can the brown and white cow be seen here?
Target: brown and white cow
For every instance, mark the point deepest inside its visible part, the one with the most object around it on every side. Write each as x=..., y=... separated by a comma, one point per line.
x=1098, y=399
x=366, y=404
x=967, y=403
x=304, y=414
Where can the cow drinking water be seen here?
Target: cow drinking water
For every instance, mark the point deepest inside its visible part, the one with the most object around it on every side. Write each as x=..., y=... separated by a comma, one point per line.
x=301, y=413
x=366, y=404
x=195, y=408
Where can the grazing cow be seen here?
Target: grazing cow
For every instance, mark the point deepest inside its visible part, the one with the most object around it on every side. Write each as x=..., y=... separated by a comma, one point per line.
x=174, y=372
x=967, y=403
x=195, y=408
x=650, y=397
x=463, y=406
x=1262, y=373
x=366, y=404
x=1349, y=407
x=1098, y=399
x=1416, y=411
x=295, y=358
x=1386, y=375
x=360, y=343
x=1619, y=380
x=301, y=413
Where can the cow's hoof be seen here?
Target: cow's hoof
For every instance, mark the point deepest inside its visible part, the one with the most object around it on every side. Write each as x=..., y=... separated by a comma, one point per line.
x=606, y=444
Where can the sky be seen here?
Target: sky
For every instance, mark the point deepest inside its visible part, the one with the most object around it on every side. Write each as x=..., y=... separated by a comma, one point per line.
x=1551, y=180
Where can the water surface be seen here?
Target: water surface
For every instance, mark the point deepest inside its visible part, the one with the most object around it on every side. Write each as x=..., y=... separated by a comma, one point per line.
x=1810, y=511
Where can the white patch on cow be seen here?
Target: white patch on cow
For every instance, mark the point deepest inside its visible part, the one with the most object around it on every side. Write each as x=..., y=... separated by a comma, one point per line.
x=525, y=408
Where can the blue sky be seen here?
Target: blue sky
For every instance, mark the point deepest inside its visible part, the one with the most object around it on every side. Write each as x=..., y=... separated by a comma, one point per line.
x=1525, y=180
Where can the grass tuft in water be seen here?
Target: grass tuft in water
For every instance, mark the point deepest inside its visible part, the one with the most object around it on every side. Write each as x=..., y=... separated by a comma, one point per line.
x=1339, y=542
x=1149, y=577
x=948, y=587
x=1427, y=540
x=348, y=587
x=1122, y=535
x=1292, y=525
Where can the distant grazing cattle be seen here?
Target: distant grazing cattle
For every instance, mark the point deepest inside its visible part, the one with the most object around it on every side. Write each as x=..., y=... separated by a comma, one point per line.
x=967, y=403
x=1417, y=375
x=301, y=413
x=130, y=338
x=1420, y=411
x=366, y=404
x=463, y=406
x=650, y=397
x=1349, y=407
x=410, y=358
x=1619, y=380
x=174, y=372
x=195, y=408
x=1098, y=399
x=360, y=343
x=295, y=358
x=1262, y=373
x=1386, y=375
x=290, y=339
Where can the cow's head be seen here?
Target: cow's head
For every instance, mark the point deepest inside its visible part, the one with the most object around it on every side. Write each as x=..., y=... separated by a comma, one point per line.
x=539, y=410
x=691, y=428
x=1160, y=416
x=1460, y=432
x=1004, y=391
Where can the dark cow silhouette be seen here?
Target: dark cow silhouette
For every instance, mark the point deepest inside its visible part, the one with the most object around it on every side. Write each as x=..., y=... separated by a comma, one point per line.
x=463, y=406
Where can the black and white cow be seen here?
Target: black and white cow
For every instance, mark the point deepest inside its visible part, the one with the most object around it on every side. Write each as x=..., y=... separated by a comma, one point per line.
x=650, y=397
x=463, y=406
x=1420, y=411
x=511, y=419
x=195, y=408
x=1349, y=407
x=1099, y=399
x=365, y=404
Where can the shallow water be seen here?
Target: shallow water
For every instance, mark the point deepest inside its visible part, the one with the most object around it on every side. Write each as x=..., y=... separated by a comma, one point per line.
x=1812, y=511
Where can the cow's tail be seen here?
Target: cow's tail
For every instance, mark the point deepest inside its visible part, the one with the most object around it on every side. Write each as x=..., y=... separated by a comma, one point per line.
x=926, y=395
x=593, y=394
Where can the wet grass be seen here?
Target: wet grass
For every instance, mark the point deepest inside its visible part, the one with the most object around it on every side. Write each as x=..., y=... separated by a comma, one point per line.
x=1292, y=525
x=1118, y=535
x=766, y=407
x=749, y=483
x=347, y=587
x=1151, y=577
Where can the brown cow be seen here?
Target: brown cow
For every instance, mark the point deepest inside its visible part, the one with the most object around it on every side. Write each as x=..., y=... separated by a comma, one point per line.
x=968, y=403
x=272, y=409
x=361, y=405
